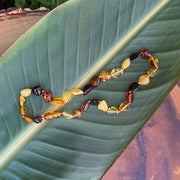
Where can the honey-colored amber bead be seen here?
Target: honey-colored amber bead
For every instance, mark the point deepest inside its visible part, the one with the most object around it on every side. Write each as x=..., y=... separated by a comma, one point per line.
x=153, y=61
x=103, y=106
x=47, y=96
x=126, y=63
x=58, y=101
x=23, y=111
x=124, y=106
x=77, y=113
x=85, y=106
x=143, y=80
x=115, y=73
x=95, y=81
x=28, y=119
x=105, y=75
x=48, y=116
x=21, y=100
x=67, y=97
x=26, y=92
x=113, y=111
x=152, y=72
x=67, y=115
x=57, y=113
x=76, y=91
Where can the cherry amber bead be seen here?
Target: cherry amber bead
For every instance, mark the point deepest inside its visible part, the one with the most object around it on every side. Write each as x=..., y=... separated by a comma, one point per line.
x=95, y=101
x=37, y=90
x=95, y=81
x=87, y=89
x=134, y=87
x=145, y=54
x=133, y=56
x=38, y=119
x=23, y=111
x=77, y=113
x=47, y=96
x=85, y=106
x=28, y=119
x=129, y=97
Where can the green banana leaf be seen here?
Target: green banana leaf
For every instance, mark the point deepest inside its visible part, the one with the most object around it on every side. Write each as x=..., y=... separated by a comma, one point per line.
x=64, y=50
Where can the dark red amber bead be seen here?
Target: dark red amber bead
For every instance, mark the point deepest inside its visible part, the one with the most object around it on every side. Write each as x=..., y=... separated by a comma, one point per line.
x=133, y=56
x=47, y=96
x=134, y=87
x=145, y=54
x=85, y=106
x=37, y=90
x=95, y=81
x=38, y=119
x=87, y=89
x=95, y=101
x=129, y=97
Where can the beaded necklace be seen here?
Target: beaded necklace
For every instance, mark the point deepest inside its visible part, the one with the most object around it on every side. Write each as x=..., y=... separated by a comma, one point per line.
x=94, y=83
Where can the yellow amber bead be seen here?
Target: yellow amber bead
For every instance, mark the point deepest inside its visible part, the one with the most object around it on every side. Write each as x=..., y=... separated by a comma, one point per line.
x=105, y=75
x=26, y=92
x=67, y=97
x=124, y=106
x=153, y=61
x=67, y=115
x=21, y=100
x=143, y=80
x=77, y=113
x=115, y=73
x=126, y=63
x=103, y=106
x=152, y=72
x=76, y=91
x=113, y=111
x=58, y=101
x=23, y=111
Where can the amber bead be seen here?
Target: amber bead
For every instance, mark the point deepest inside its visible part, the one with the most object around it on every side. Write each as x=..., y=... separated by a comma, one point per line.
x=76, y=91
x=67, y=115
x=115, y=73
x=133, y=56
x=23, y=111
x=153, y=62
x=47, y=96
x=124, y=106
x=105, y=75
x=113, y=111
x=129, y=97
x=58, y=101
x=134, y=87
x=21, y=100
x=67, y=97
x=57, y=113
x=48, y=116
x=28, y=119
x=38, y=119
x=95, y=81
x=95, y=101
x=126, y=63
x=143, y=80
x=87, y=89
x=145, y=54
x=37, y=90
x=103, y=106
x=26, y=92
x=152, y=72
x=85, y=106
x=77, y=113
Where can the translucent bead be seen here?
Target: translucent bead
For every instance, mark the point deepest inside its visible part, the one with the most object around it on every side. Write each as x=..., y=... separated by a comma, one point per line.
x=115, y=73
x=77, y=113
x=153, y=62
x=67, y=115
x=87, y=89
x=57, y=113
x=58, y=101
x=103, y=106
x=145, y=54
x=38, y=119
x=133, y=56
x=51, y=115
x=76, y=91
x=48, y=116
x=67, y=97
x=85, y=106
x=26, y=92
x=143, y=80
x=37, y=90
x=124, y=106
x=95, y=101
x=21, y=100
x=134, y=87
x=113, y=111
x=129, y=97
x=95, y=81
x=126, y=63
x=23, y=111
x=47, y=96
x=105, y=75
x=152, y=72
x=28, y=119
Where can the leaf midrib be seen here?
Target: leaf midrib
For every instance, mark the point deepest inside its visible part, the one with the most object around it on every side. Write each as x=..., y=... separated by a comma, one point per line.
x=32, y=130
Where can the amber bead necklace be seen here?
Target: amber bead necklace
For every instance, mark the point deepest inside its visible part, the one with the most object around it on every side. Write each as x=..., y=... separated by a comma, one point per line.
x=94, y=83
